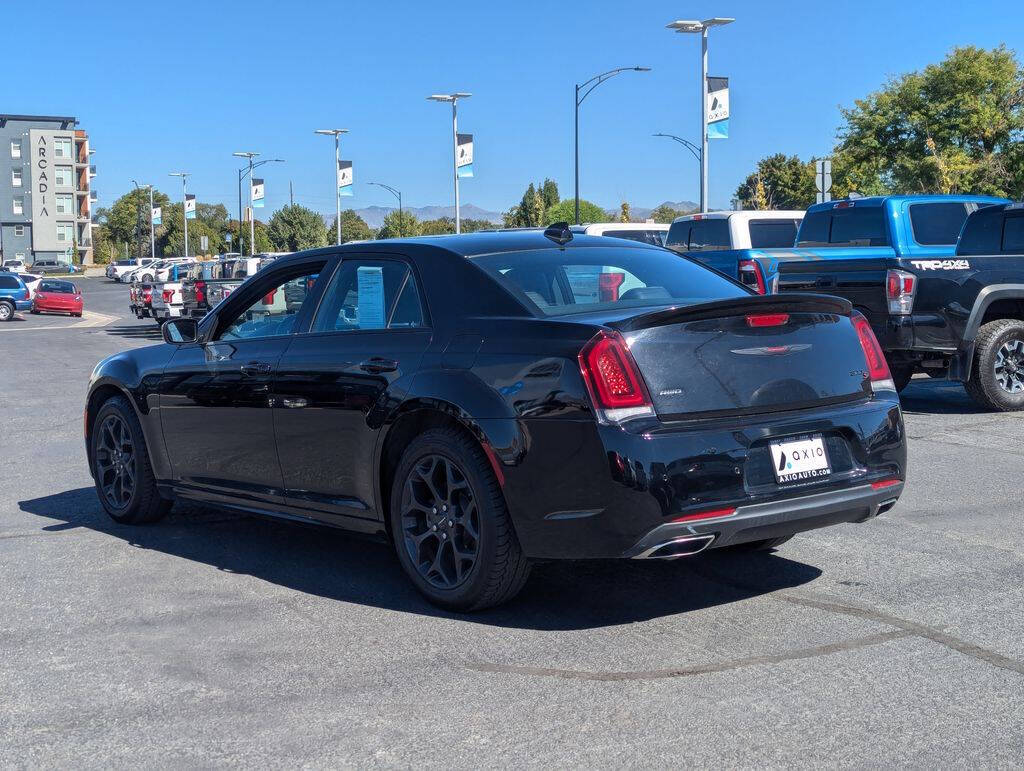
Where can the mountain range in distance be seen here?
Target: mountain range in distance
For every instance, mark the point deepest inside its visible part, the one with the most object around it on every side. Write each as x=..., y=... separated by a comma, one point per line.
x=374, y=215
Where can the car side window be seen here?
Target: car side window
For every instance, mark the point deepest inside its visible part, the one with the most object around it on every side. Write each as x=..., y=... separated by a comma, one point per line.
x=370, y=294
x=275, y=311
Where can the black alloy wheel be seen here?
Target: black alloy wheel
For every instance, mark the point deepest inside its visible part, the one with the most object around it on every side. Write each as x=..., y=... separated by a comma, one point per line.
x=440, y=522
x=1009, y=366
x=997, y=372
x=451, y=525
x=116, y=462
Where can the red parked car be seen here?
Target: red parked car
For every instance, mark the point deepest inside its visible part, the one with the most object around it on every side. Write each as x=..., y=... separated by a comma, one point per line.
x=57, y=297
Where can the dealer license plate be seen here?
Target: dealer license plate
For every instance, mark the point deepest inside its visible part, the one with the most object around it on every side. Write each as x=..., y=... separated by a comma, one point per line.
x=800, y=460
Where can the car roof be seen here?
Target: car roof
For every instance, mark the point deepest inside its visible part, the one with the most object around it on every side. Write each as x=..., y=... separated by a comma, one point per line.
x=879, y=200
x=584, y=227
x=470, y=244
x=742, y=214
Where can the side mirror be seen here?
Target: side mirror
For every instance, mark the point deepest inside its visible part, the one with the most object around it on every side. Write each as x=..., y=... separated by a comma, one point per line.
x=177, y=331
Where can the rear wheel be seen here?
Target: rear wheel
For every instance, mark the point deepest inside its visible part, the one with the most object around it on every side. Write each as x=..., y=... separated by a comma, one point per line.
x=6, y=311
x=451, y=526
x=997, y=373
x=124, y=479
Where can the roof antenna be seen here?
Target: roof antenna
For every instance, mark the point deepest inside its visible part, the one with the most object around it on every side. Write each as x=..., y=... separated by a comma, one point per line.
x=559, y=233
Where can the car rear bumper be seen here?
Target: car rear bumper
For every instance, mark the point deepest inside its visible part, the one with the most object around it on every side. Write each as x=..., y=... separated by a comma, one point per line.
x=581, y=490
x=23, y=305
x=773, y=519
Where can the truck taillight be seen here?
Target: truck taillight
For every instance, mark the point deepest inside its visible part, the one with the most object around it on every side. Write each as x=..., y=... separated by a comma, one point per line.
x=614, y=381
x=878, y=368
x=168, y=295
x=200, y=291
x=900, y=287
x=752, y=275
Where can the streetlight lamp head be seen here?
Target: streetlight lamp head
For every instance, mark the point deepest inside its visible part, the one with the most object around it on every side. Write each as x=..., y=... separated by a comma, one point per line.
x=642, y=69
x=449, y=97
x=245, y=155
x=685, y=25
x=718, y=21
x=331, y=132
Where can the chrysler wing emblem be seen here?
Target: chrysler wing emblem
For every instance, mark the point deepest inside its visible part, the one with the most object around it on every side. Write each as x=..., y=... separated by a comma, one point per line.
x=772, y=350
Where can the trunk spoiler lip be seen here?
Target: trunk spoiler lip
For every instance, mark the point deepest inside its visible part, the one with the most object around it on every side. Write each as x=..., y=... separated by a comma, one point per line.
x=736, y=306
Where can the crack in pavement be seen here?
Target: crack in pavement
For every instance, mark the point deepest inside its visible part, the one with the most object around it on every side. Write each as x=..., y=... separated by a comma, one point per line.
x=702, y=669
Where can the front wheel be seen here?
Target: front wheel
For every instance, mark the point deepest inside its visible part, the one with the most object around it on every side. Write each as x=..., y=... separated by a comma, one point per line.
x=124, y=478
x=997, y=374
x=451, y=526
x=6, y=311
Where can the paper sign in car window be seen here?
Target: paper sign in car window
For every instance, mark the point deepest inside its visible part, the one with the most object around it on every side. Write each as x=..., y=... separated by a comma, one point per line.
x=370, y=281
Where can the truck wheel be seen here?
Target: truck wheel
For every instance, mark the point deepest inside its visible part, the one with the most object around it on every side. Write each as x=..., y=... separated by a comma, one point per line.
x=124, y=479
x=997, y=374
x=451, y=526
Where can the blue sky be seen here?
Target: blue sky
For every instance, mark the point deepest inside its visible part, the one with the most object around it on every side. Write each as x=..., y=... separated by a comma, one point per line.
x=168, y=86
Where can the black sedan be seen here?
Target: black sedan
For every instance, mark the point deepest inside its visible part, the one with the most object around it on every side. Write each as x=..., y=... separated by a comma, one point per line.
x=488, y=400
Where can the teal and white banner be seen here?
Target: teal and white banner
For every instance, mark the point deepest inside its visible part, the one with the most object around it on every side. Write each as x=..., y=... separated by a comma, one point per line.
x=190, y=207
x=257, y=193
x=718, y=108
x=345, y=178
x=464, y=155
x=156, y=216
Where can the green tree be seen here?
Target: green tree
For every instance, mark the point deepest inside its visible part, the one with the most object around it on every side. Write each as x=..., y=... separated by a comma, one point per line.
x=294, y=228
x=955, y=126
x=565, y=211
x=353, y=228
x=665, y=214
x=624, y=212
x=438, y=227
x=784, y=182
x=128, y=219
x=471, y=225
x=170, y=237
x=549, y=193
x=263, y=242
x=399, y=226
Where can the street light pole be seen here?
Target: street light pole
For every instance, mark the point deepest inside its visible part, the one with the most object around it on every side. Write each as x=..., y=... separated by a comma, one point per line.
x=152, y=235
x=593, y=83
x=336, y=133
x=398, y=195
x=454, y=99
x=242, y=174
x=184, y=214
x=702, y=27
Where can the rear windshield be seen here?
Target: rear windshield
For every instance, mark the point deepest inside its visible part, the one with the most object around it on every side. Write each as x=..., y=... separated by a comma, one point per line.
x=938, y=223
x=852, y=226
x=63, y=287
x=555, y=282
x=773, y=234
x=652, y=237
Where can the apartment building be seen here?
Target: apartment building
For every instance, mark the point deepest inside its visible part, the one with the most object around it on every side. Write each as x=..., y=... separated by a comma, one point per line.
x=46, y=194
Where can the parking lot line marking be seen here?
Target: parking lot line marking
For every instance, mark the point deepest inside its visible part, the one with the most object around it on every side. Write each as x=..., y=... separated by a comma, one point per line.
x=89, y=319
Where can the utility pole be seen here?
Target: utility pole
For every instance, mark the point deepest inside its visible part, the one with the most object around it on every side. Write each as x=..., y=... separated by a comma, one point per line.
x=454, y=99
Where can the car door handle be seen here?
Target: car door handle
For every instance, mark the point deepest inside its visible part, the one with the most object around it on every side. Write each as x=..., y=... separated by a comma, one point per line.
x=255, y=368
x=377, y=365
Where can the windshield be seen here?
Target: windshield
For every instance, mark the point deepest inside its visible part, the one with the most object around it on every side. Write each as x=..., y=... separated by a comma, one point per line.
x=555, y=282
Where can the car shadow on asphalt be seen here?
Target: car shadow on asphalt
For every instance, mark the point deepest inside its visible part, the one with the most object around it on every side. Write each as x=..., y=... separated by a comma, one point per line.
x=338, y=566
x=136, y=331
x=939, y=397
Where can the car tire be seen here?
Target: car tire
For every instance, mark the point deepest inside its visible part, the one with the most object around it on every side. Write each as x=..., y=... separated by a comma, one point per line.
x=765, y=544
x=123, y=475
x=997, y=372
x=79, y=315
x=146, y=279
x=453, y=534
x=6, y=311
x=34, y=312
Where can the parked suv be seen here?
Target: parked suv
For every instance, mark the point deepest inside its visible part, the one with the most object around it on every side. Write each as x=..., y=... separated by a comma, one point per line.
x=14, y=295
x=51, y=266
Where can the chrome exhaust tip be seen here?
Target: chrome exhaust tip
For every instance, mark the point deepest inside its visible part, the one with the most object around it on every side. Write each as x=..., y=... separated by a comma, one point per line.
x=684, y=546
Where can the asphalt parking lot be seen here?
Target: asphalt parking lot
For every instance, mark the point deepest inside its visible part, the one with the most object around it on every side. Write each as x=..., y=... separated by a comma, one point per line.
x=216, y=639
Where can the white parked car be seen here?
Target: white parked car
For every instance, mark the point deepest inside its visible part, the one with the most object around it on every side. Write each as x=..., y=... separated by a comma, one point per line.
x=645, y=232
x=14, y=265
x=32, y=282
x=717, y=230
x=121, y=268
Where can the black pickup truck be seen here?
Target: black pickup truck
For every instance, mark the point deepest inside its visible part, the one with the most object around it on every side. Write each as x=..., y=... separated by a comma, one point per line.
x=959, y=317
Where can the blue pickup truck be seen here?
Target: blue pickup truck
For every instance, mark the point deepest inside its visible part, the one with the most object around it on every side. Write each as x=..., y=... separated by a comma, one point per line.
x=876, y=228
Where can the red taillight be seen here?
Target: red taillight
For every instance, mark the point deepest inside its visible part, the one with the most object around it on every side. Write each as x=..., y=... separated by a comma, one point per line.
x=168, y=295
x=200, y=291
x=768, y=320
x=608, y=286
x=613, y=379
x=268, y=299
x=713, y=514
x=900, y=287
x=878, y=369
x=751, y=275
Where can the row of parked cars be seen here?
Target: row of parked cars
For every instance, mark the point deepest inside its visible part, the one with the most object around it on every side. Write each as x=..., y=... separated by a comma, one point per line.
x=37, y=294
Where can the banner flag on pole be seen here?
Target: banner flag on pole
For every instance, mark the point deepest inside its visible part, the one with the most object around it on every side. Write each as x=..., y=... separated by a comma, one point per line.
x=190, y=207
x=718, y=108
x=464, y=156
x=156, y=215
x=257, y=193
x=345, y=178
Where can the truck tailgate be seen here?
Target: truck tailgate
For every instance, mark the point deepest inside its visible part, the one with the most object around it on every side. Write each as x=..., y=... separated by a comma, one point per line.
x=860, y=280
